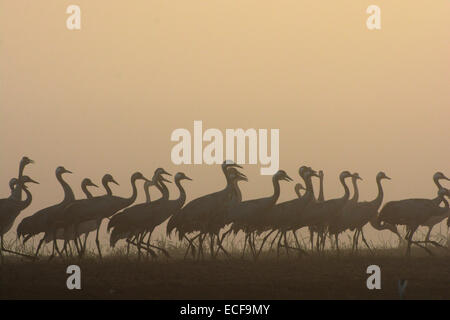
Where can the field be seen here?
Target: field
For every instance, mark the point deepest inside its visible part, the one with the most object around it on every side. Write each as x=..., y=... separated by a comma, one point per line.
x=310, y=277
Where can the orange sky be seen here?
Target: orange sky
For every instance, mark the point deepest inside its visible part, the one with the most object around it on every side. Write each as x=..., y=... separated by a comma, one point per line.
x=106, y=98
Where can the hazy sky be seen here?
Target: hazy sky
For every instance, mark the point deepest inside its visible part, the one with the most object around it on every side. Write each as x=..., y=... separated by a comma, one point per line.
x=107, y=97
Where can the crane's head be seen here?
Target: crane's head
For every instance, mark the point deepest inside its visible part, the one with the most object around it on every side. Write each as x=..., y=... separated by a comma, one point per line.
x=382, y=175
x=235, y=175
x=88, y=183
x=60, y=170
x=302, y=170
x=161, y=171
x=27, y=179
x=230, y=163
x=282, y=175
x=439, y=175
x=320, y=174
x=356, y=176
x=25, y=161
x=181, y=176
x=307, y=172
x=344, y=174
x=107, y=178
x=299, y=187
x=12, y=183
x=138, y=176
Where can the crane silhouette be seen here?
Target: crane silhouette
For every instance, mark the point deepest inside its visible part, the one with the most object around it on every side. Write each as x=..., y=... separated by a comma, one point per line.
x=11, y=207
x=68, y=233
x=73, y=225
x=41, y=220
x=343, y=220
x=323, y=213
x=252, y=215
x=198, y=215
x=434, y=220
x=285, y=216
x=413, y=213
x=104, y=207
x=131, y=222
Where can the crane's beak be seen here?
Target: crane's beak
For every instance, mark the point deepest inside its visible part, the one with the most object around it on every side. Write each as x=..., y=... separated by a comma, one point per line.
x=165, y=172
x=287, y=178
x=31, y=161
x=387, y=177
x=242, y=177
x=187, y=178
x=93, y=185
x=115, y=182
x=67, y=171
x=164, y=179
x=33, y=181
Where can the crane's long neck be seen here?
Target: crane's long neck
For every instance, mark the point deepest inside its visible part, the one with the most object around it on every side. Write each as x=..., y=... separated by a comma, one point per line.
x=133, y=196
x=182, y=197
x=437, y=201
x=164, y=190
x=355, y=190
x=446, y=206
x=379, y=199
x=297, y=191
x=346, y=190
x=28, y=199
x=237, y=195
x=321, y=197
x=309, y=187
x=147, y=193
x=18, y=195
x=276, y=189
x=107, y=188
x=68, y=193
x=86, y=191
x=437, y=183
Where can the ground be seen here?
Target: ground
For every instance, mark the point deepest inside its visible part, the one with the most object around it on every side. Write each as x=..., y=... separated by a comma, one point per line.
x=309, y=277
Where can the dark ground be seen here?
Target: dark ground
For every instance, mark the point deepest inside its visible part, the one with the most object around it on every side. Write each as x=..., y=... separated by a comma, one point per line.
x=311, y=277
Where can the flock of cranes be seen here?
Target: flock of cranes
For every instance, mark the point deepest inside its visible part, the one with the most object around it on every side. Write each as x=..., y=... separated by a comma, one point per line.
x=208, y=220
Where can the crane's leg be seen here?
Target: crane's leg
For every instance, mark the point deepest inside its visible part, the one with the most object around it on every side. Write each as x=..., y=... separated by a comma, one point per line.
x=274, y=239
x=55, y=244
x=336, y=239
x=252, y=243
x=311, y=238
x=364, y=240
x=211, y=245
x=39, y=247
x=220, y=247
x=324, y=238
x=279, y=244
x=200, y=246
x=427, y=238
x=245, y=245
x=410, y=236
x=191, y=246
x=286, y=244
x=97, y=241
x=263, y=242
x=85, y=241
